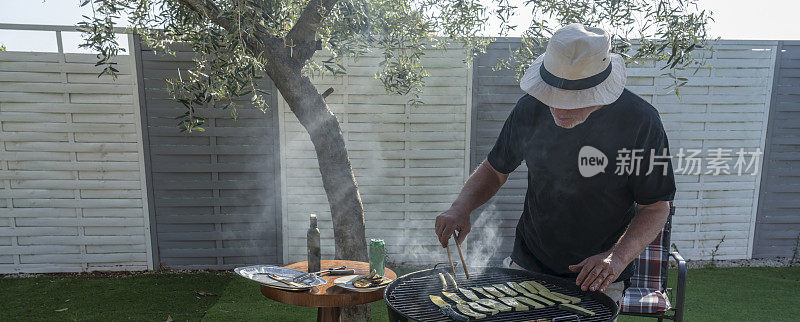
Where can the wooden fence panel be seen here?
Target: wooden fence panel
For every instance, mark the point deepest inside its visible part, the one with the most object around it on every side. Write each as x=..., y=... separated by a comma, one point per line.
x=216, y=193
x=72, y=177
x=410, y=162
x=724, y=106
x=777, y=228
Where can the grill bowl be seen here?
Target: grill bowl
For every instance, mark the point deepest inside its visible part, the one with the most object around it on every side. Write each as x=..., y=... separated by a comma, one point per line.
x=407, y=296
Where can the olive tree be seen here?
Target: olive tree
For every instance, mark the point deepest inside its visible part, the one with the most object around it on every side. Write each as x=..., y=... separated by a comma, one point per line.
x=239, y=41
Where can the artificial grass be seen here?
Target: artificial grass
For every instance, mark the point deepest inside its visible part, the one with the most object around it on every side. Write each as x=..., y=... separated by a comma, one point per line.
x=714, y=294
x=740, y=294
x=139, y=297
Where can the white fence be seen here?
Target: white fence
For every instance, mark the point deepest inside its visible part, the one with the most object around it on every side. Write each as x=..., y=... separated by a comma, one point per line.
x=410, y=162
x=724, y=106
x=73, y=197
x=72, y=193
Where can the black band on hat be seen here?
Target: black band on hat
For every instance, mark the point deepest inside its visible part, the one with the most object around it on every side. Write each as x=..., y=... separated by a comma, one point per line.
x=574, y=84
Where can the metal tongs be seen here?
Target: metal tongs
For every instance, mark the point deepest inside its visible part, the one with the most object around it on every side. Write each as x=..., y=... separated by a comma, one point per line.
x=341, y=270
x=460, y=254
x=283, y=280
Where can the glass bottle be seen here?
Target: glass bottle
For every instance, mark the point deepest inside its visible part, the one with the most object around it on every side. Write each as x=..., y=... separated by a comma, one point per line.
x=314, y=251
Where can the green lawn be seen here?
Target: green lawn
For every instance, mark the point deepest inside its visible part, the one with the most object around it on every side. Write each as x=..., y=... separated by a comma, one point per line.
x=732, y=294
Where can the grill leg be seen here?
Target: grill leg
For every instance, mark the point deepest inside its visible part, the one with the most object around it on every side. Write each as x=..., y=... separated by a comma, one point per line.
x=394, y=316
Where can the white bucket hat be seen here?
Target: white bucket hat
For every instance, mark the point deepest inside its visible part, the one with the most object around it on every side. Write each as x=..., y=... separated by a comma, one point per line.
x=577, y=70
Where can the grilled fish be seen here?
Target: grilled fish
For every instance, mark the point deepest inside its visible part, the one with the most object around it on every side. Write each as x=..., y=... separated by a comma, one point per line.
x=444, y=283
x=505, y=289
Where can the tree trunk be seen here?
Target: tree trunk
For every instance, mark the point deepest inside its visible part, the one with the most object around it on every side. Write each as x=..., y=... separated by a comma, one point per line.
x=338, y=180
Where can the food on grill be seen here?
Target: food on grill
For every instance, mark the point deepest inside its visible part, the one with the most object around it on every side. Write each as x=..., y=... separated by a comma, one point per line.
x=482, y=309
x=451, y=280
x=529, y=288
x=512, y=302
x=539, y=299
x=482, y=292
x=450, y=312
x=534, y=286
x=576, y=309
x=468, y=293
x=493, y=291
x=492, y=304
x=408, y=297
x=371, y=280
x=505, y=289
x=437, y=300
x=446, y=309
x=528, y=301
x=444, y=283
x=571, y=299
x=453, y=297
x=515, y=286
x=466, y=310
x=550, y=296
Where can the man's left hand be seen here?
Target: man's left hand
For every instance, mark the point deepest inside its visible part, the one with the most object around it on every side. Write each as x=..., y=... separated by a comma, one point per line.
x=598, y=271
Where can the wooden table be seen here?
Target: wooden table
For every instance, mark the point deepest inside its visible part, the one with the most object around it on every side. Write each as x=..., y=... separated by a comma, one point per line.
x=328, y=298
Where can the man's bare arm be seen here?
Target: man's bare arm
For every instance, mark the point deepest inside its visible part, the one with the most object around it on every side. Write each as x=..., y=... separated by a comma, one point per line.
x=479, y=188
x=598, y=271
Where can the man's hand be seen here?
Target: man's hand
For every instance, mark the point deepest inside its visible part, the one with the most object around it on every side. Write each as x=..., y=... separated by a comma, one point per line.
x=479, y=188
x=450, y=221
x=598, y=271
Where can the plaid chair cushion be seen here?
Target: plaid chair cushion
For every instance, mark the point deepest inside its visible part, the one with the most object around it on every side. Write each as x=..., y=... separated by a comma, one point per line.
x=644, y=300
x=646, y=293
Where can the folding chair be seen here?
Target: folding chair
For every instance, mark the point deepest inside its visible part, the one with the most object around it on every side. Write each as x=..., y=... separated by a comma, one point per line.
x=647, y=294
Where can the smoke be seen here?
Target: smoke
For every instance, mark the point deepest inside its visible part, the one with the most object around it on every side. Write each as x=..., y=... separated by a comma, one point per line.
x=485, y=239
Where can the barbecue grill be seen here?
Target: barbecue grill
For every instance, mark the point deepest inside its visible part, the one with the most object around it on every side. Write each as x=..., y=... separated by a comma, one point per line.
x=407, y=296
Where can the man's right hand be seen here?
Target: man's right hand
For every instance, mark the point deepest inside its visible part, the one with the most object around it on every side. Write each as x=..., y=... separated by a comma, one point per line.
x=450, y=221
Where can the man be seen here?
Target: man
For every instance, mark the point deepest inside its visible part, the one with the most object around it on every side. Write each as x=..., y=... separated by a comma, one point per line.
x=581, y=218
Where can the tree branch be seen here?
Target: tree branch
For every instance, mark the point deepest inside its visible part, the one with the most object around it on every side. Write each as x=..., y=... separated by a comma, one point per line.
x=303, y=33
x=212, y=12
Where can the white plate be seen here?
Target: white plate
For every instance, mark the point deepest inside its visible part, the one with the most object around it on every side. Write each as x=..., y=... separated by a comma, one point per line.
x=251, y=273
x=347, y=282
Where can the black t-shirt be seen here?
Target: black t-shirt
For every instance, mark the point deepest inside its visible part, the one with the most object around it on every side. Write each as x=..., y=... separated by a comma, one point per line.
x=571, y=214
